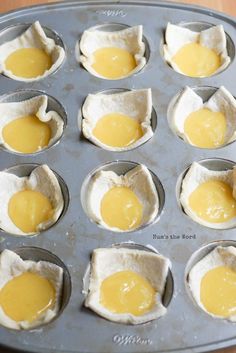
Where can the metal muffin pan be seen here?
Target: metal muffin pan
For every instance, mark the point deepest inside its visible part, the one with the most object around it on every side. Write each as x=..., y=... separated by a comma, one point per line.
x=73, y=238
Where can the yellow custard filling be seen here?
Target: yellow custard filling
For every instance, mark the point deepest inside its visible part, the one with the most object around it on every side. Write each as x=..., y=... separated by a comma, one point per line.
x=195, y=60
x=117, y=130
x=113, y=63
x=127, y=292
x=121, y=208
x=213, y=201
x=206, y=128
x=218, y=291
x=27, y=134
x=28, y=208
x=27, y=296
x=28, y=62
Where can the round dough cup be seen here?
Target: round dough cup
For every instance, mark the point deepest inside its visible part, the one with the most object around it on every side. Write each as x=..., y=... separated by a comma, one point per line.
x=198, y=27
x=39, y=254
x=120, y=168
x=153, y=122
x=169, y=286
x=214, y=164
x=23, y=170
x=197, y=256
x=52, y=105
x=114, y=27
x=204, y=92
x=11, y=32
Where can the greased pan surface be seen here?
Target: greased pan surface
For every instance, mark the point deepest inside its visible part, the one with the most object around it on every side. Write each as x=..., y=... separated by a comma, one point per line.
x=72, y=239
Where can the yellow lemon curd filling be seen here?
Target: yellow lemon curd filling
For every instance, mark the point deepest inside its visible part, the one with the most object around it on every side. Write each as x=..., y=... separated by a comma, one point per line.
x=117, y=130
x=27, y=296
x=205, y=128
x=121, y=208
x=113, y=63
x=218, y=291
x=28, y=208
x=195, y=60
x=127, y=292
x=28, y=62
x=27, y=134
x=213, y=201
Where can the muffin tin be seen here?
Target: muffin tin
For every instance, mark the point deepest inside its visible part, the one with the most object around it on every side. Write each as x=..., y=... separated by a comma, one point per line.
x=72, y=239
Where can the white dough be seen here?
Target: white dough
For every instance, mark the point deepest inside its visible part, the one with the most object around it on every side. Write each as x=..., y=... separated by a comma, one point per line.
x=12, y=265
x=137, y=104
x=188, y=102
x=213, y=38
x=33, y=37
x=197, y=175
x=129, y=39
x=220, y=256
x=138, y=179
x=33, y=106
x=107, y=261
x=41, y=179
